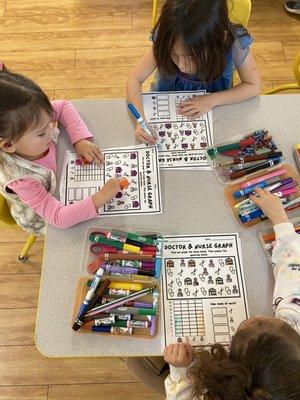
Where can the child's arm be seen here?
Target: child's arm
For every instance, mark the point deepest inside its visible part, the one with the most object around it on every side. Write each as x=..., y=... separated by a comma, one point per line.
x=178, y=386
x=67, y=115
x=286, y=260
x=33, y=193
x=137, y=77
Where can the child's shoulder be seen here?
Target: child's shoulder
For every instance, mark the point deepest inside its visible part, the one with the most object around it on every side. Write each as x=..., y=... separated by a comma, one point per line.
x=242, y=37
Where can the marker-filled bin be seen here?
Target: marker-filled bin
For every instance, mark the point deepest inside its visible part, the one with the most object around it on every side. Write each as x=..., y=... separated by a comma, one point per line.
x=244, y=155
x=118, y=293
x=282, y=181
x=297, y=155
x=266, y=237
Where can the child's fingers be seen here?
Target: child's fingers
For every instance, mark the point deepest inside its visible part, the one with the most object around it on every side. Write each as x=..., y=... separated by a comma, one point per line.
x=98, y=153
x=146, y=138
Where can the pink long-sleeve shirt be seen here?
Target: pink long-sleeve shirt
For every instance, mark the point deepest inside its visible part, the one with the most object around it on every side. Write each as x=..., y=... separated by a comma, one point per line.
x=33, y=193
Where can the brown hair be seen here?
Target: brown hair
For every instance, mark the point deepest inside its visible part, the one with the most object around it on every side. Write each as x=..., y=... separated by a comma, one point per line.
x=259, y=366
x=205, y=31
x=21, y=103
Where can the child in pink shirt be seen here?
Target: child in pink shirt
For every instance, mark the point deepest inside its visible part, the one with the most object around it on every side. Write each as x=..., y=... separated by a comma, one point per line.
x=28, y=156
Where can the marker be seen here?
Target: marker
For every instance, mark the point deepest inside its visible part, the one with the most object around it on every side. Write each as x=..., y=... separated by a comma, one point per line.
x=240, y=167
x=158, y=257
x=139, y=119
x=252, y=215
x=132, y=311
x=119, y=235
x=256, y=157
x=108, y=257
x=96, y=238
x=100, y=292
x=123, y=271
x=126, y=286
x=119, y=302
x=279, y=171
x=113, y=329
x=139, y=304
x=265, y=164
x=212, y=152
x=85, y=304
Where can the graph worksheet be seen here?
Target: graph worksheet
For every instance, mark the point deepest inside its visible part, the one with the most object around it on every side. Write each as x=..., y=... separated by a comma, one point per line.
x=138, y=164
x=204, y=295
x=182, y=141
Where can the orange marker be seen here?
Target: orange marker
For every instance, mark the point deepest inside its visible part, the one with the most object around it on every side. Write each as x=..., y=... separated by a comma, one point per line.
x=124, y=183
x=85, y=161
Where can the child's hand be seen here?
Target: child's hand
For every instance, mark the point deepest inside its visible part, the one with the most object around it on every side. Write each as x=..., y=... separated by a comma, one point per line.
x=271, y=205
x=196, y=106
x=108, y=192
x=179, y=355
x=89, y=151
x=143, y=136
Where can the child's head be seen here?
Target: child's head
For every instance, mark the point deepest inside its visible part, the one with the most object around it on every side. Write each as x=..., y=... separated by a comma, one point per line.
x=263, y=364
x=25, y=116
x=193, y=36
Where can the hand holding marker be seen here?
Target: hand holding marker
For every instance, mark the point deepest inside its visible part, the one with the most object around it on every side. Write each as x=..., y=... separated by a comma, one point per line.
x=143, y=124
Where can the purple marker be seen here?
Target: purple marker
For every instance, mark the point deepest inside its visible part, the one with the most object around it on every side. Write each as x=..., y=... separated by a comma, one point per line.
x=116, y=270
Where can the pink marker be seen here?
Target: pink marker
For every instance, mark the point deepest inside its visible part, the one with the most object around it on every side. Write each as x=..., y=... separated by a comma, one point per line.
x=278, y=172
x=286, y=192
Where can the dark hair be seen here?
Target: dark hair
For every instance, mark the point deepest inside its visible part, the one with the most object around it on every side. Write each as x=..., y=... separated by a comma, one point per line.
x=21, y=103
x=259, y=366
x=206, y=33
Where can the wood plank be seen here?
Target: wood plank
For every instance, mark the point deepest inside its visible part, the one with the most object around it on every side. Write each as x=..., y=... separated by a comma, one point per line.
x=91, y=93
x=275, y=70
x=17, y=327
x=9, y=263
x=267, y=51
x=274, y=31
x=24, y=365
x=2, y=7
x=33, y=7
x=77, y=79
x=65, y=22
x=19, y=291
x=290, y=50
x=15, y=235
x=94, y=58
x=107, y=391
x=35, y=60
x=24, y=393
x=77, y=39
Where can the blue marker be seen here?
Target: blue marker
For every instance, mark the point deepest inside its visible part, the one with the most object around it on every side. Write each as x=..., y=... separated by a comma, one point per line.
x=252, y=215
x=143, y=124
x=86, y=302
x=249, y=189
x=158, y=256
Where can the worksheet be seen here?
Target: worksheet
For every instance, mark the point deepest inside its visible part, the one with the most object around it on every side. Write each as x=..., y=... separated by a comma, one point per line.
x=182, y=141
x=138, y=164
x=204, y=295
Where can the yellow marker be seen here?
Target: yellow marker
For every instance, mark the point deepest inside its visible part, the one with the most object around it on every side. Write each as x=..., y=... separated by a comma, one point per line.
x=297, y=146
x=125, y=285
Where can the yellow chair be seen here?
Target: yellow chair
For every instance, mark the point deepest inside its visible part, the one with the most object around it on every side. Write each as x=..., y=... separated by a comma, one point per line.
x=239, y=11
x=7, y=221
x=288, y=86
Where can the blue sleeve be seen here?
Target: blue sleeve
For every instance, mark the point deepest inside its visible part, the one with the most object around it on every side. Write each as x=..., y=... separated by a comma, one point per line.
x=240, y=47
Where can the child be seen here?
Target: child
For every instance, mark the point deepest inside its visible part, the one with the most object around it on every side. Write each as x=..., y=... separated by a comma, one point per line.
x=195, y=46
x=263, y=362
x=28, y=156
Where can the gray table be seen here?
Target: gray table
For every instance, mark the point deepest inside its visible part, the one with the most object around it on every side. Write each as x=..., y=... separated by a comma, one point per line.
x=193, y=202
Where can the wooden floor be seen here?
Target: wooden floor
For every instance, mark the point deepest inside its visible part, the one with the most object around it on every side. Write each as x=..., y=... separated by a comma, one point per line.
x=85, y=49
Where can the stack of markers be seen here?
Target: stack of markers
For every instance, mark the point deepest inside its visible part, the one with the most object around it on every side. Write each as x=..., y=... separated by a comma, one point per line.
x=111, y=307
x=126, y=254
x=277, y=182
x=254, y=152
x=268, y=238
x=297, y=155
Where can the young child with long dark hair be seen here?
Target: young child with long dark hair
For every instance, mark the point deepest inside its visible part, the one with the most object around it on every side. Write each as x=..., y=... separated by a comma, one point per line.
x=263, y=361
x=195, y=46
x=28, y=156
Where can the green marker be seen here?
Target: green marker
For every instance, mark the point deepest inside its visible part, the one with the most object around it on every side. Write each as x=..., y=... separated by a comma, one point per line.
x=134, y=237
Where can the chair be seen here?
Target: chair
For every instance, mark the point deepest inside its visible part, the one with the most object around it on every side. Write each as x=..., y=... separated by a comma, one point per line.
x=288, y=86
x=239, y=11
x=7, y=221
